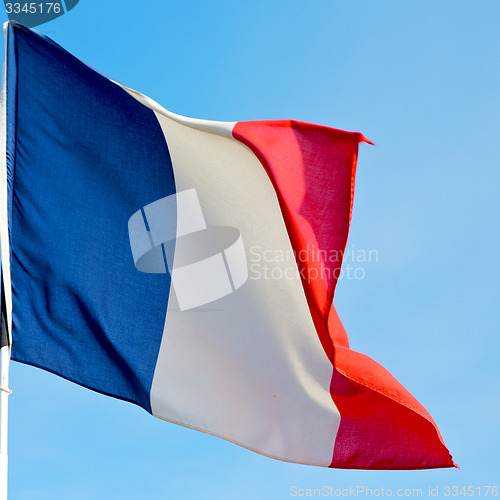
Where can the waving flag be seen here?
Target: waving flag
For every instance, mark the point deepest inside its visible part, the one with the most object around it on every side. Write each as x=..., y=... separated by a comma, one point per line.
x=189, y=267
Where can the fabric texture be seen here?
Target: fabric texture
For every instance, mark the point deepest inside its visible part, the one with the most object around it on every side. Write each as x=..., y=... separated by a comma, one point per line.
x=190, y=266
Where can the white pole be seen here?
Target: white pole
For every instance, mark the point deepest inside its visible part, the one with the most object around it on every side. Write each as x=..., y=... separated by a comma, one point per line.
x=4, y=415
x=5, y=350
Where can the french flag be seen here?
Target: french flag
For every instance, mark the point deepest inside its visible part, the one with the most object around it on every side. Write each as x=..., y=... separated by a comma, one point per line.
x=189, y=267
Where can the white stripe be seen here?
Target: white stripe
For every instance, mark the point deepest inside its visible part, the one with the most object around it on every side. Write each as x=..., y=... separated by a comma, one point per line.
x=221, y=128
x=248, y=367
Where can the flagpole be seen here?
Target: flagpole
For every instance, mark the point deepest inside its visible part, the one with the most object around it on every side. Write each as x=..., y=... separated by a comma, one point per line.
x=4, y=414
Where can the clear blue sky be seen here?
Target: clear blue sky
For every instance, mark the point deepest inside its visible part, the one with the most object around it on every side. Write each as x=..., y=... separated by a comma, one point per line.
x=422, y=80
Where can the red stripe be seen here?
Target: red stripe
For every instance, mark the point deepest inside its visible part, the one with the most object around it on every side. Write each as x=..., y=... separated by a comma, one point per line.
x=312, y=169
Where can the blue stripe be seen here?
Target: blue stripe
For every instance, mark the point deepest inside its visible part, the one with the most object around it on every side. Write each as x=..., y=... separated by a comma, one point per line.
x=83, y=156
x=11, y=110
